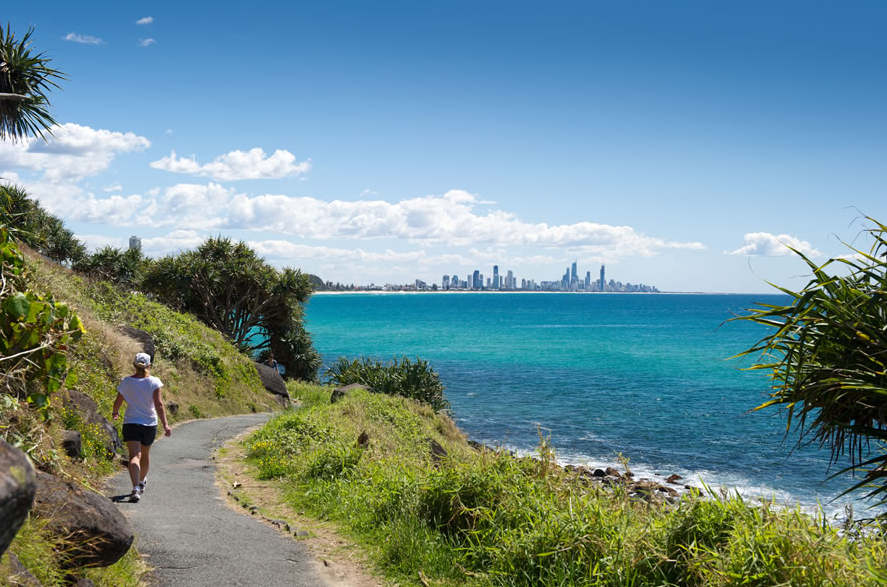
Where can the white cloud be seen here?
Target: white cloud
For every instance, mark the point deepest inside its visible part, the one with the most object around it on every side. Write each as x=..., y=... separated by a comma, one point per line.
x=451, y=219
x=178, y=240
x=94, y=242
x=116, y=187
x=146, y=20
x=768, y=245
x=237, y=165
x=72, y=152
x=83, y=39
x=146, y=42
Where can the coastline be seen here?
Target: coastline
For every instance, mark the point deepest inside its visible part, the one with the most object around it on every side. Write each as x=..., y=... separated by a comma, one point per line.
x=525, y=292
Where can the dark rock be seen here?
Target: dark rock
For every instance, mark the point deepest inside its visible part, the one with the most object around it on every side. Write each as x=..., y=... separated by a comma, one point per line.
x=172, y=408
x=438, y=453
x=72, y=443
x=341, y=392
x=145, y=340
x=477, y=446
x=20, y=576
x=98, y=532
x=599, y=473
x=363, y=440
x=673, y=479
x=88, y=410
x=271, y=380
x=17, y=487
x=611, y=472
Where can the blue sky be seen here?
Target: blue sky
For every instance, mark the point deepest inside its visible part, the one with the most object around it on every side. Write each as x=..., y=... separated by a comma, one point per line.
x=680, y=143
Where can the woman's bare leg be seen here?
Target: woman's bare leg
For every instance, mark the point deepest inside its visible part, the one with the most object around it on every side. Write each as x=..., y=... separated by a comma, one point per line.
x=135, y=452
x=145, y=461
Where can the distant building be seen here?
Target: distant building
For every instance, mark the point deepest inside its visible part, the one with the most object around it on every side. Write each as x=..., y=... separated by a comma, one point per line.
x=445, y=282
x=495, y=277
x=603, y=281
x=135, y=243
x=477, y=280
x=573, y=274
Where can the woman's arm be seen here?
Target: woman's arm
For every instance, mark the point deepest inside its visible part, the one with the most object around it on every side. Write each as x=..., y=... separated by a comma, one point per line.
x=118, y=401
x=161, y=411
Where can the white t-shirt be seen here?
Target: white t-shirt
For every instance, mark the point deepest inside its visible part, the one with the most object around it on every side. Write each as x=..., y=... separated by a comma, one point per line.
x=139, y=396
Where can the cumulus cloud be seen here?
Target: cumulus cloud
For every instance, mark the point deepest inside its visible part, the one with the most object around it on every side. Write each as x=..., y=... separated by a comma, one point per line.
x=146, y=42
x=237, y=165
x=83, y=39
x=145, y=20
x=455, y=219
x=175, y=241
x=94, y=242
x=765, y=244
x=452, y=219
x=71, y=153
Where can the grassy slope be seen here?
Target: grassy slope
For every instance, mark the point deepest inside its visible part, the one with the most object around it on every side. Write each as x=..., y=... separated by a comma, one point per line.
x=492, y=519
x=202, y=372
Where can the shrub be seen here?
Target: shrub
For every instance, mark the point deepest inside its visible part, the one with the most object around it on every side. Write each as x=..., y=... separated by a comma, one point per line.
x=34, y=331
x=414, y=380
x=826, y=354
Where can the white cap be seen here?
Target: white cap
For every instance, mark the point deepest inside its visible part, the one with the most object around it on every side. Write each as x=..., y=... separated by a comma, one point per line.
x=142, y=360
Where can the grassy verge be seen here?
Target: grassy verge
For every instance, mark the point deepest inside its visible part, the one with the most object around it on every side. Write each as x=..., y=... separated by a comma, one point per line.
x=369, y=463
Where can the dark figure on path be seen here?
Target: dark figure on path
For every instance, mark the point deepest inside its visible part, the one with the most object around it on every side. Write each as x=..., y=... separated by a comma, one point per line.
x=144, y=405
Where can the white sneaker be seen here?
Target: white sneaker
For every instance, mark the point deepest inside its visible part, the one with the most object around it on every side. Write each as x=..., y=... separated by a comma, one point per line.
x=135, y=496
x=142, y=485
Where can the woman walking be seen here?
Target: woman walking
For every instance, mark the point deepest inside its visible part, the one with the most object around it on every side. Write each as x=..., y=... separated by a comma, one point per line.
x=144, y=406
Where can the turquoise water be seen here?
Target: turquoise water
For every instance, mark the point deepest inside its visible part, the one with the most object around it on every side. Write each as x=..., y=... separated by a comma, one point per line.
x=646, y=376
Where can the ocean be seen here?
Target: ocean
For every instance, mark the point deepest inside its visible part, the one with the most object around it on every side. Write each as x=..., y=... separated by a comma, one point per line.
x=647, y=377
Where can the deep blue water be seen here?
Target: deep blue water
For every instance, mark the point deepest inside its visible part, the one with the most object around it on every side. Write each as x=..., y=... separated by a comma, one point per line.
x=647, y=376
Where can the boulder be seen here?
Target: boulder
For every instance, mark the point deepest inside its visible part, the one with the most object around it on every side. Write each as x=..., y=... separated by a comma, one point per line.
x=98, y=532
x=72, y=443
x=88, y=410
x=611, y=472
x=438, y=453
x=145, y=340
x=271, y=380
x=673, y=479
x=17, y=488
x=20, y=576
x=341, y=392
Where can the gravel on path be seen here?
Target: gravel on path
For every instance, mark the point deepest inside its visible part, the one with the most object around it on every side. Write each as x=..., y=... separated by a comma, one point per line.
x=185, y=531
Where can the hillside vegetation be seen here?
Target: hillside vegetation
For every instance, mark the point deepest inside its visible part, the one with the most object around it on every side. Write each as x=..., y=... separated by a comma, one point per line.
x=203, y=373
x=430, y=509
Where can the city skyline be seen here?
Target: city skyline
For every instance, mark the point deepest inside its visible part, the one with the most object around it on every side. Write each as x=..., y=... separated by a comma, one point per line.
x=687, y=145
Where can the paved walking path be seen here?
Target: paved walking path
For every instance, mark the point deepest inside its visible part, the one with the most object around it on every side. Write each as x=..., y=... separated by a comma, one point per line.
x=187, y=533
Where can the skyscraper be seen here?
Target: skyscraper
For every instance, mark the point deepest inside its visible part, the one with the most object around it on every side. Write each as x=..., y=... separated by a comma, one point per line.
x=603, y=283
x=573, y=275
x=135, y=243
x=495, y=277
x=476, y=282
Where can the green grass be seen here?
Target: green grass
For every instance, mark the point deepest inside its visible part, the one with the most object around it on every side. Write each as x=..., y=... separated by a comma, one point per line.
x=492, y=519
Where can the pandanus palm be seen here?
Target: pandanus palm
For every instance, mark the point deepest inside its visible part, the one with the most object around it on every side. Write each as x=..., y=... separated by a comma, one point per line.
x=25, y=79
x=827, y=358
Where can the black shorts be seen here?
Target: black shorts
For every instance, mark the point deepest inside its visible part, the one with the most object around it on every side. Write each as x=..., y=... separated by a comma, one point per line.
x=144, y=434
